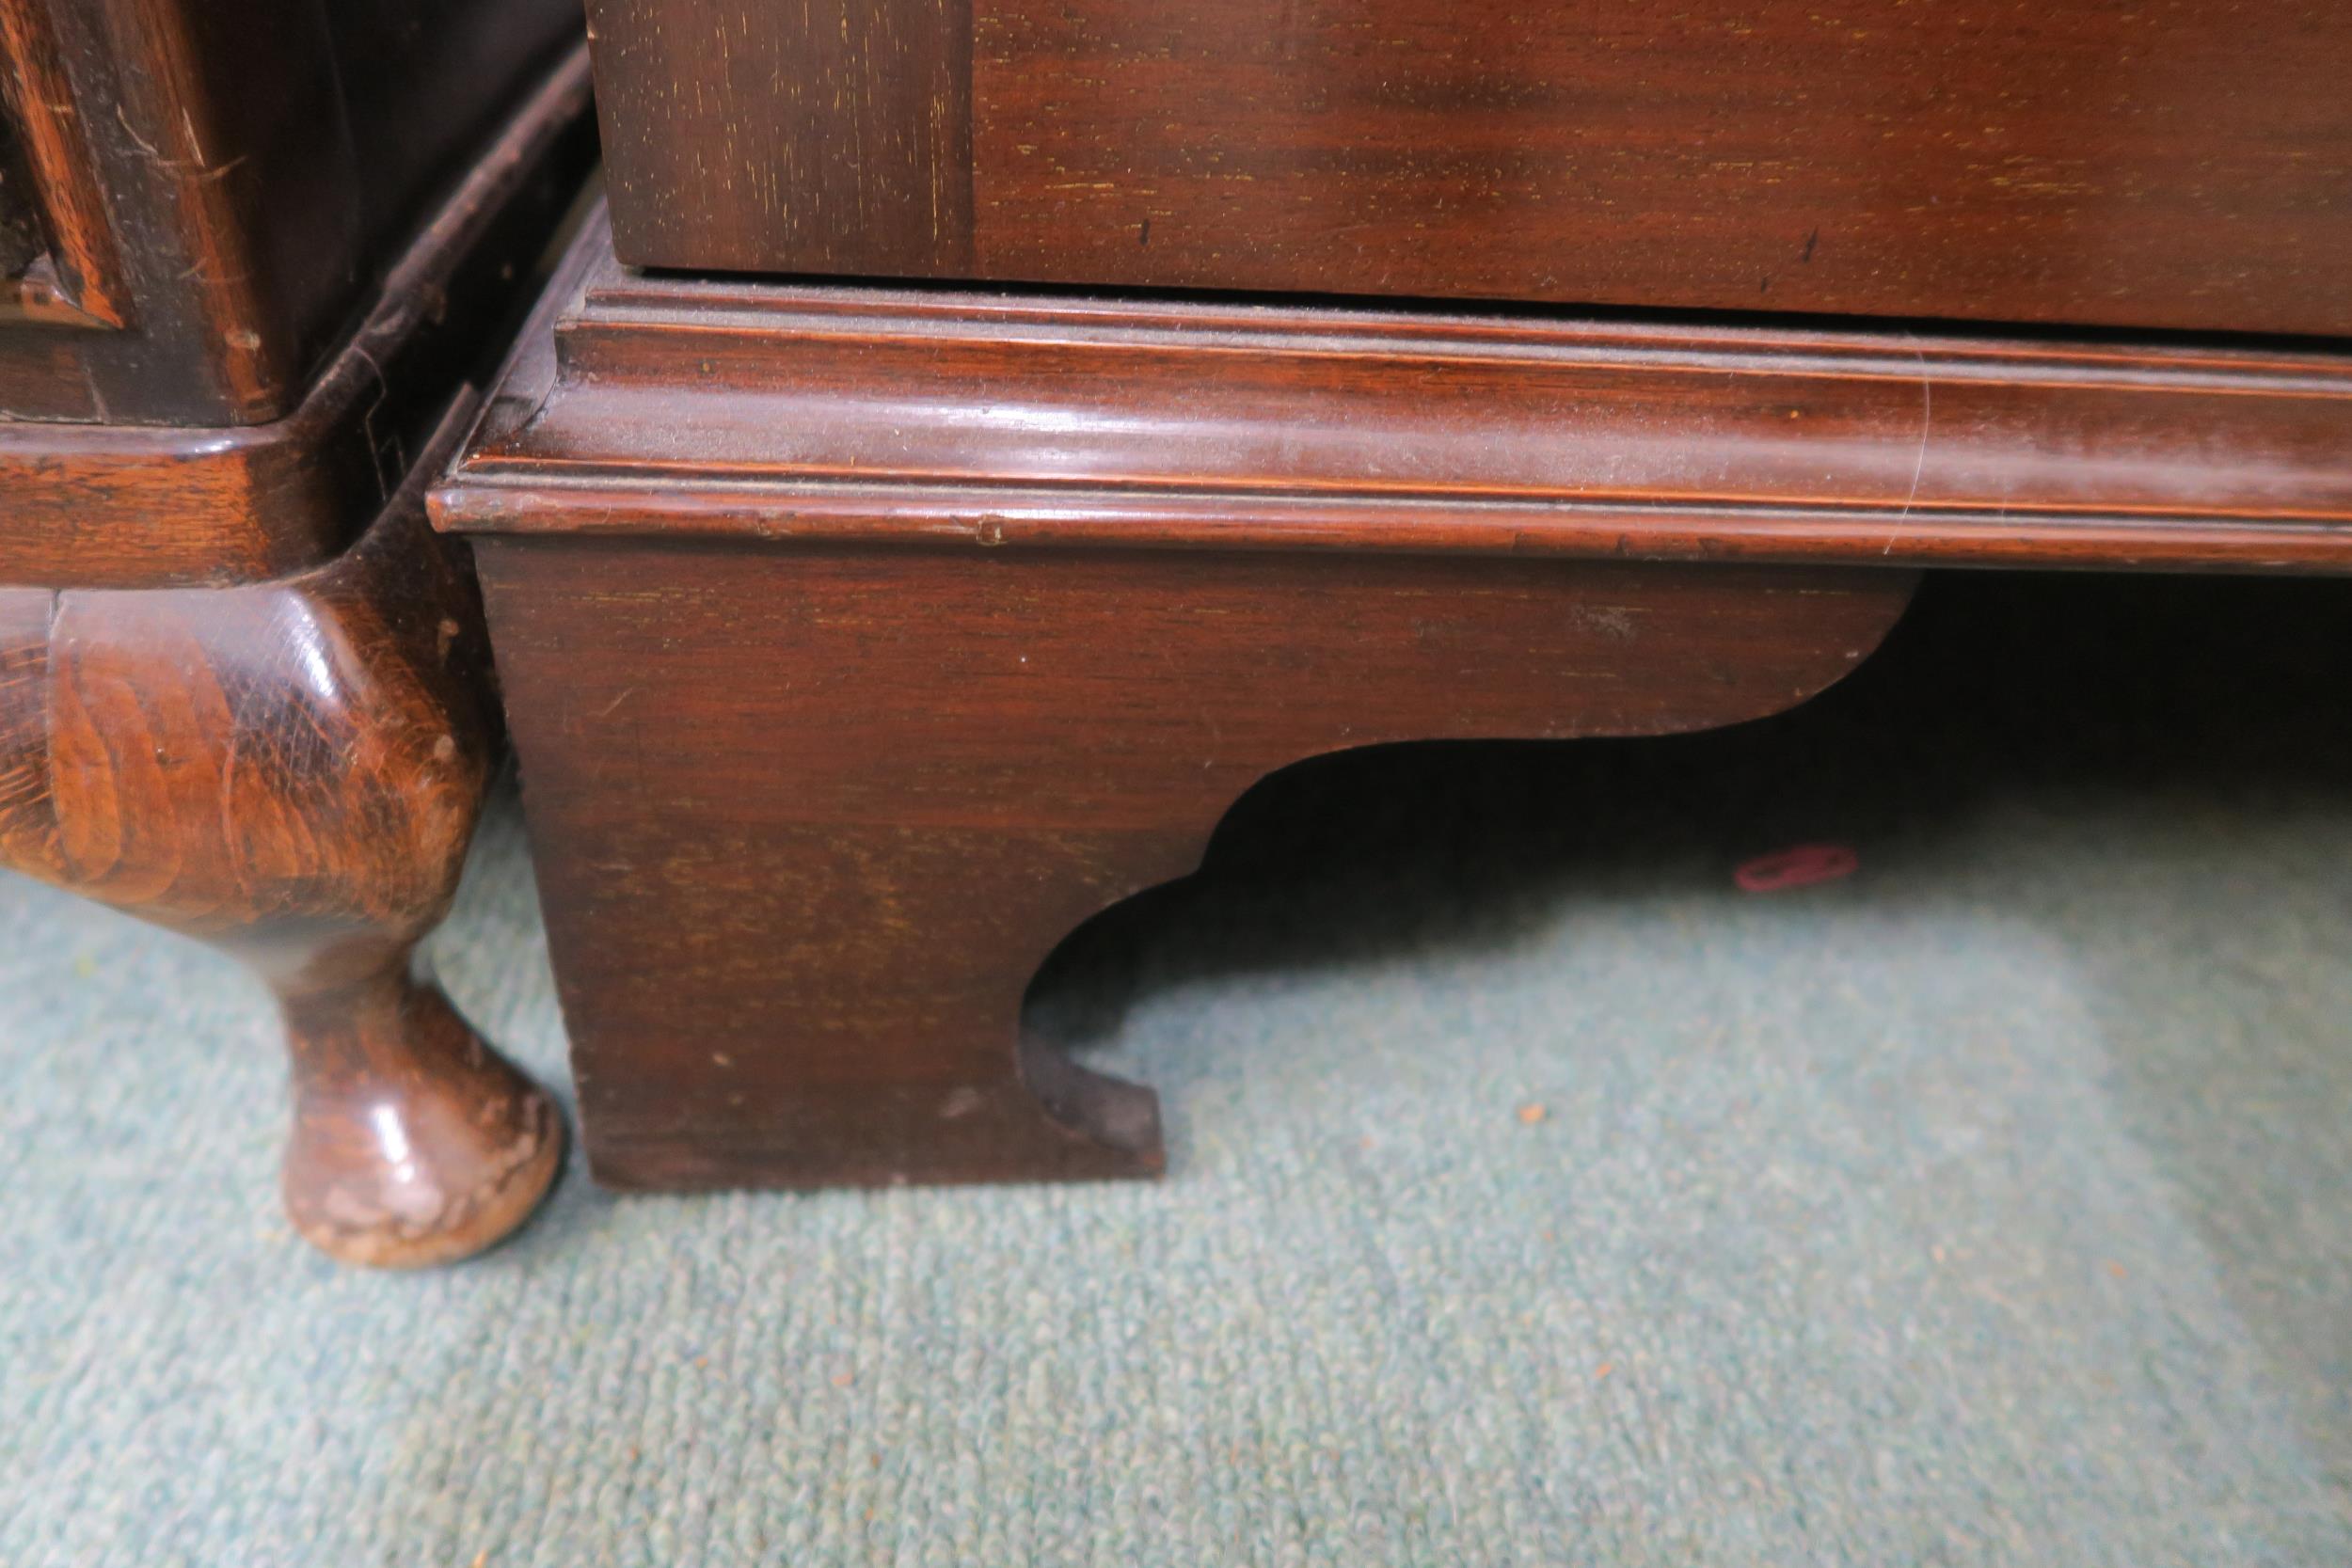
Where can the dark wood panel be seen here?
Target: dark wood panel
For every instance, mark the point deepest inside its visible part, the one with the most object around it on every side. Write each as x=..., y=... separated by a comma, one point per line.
x=22, y=239
x=2183, y=166
x=126, y=505
x=880, y=416
x=425, y=85
x=832, y=136
x=255, y=167
x=66, y=271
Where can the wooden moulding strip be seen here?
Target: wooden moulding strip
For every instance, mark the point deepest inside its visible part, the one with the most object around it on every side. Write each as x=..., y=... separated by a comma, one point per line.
x=797, y=412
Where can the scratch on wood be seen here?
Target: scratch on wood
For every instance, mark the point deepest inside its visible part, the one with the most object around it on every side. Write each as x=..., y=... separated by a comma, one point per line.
x=1919, y=464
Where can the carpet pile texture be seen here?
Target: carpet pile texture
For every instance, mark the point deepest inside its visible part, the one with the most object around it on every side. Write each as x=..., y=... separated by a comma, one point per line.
x=1535, y=1195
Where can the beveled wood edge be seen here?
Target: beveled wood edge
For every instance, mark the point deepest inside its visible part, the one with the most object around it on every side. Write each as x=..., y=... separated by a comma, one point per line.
x=275, y=498
x=680, y=506
x=534, y=467
x=611, y=298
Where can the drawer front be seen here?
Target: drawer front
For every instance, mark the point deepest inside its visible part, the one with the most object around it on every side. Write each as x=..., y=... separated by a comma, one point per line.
x=2179, y=165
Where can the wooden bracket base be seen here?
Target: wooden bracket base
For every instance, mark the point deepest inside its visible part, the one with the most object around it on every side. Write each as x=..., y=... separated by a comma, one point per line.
x=808, y=820
x=860, y=643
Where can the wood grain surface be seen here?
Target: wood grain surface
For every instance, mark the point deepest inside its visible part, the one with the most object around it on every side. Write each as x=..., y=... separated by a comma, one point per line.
x=2183, y=166
x=838, y=134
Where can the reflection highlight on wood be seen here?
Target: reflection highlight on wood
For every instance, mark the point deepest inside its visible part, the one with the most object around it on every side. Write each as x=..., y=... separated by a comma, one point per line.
x=889, y=415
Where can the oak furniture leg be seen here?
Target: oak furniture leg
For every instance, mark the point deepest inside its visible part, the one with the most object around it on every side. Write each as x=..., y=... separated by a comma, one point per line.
x=807, y=819
x=291, y=770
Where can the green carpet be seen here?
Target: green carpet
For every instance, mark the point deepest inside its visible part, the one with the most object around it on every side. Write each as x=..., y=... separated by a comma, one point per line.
x=1536, y=1196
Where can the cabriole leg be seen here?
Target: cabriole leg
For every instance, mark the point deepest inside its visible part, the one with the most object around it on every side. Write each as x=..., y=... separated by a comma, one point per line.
x=291, y=771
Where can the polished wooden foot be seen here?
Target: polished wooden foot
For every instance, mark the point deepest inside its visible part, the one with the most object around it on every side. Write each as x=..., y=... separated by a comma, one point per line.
x=291, y=770
x=413, y=1141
